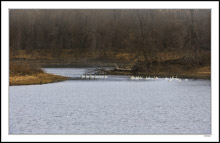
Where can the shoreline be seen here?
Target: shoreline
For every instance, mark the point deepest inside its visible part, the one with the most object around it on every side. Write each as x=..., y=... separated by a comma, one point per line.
x=197, y=73
x=166, y=75
x=36, y=79
x=44, y=78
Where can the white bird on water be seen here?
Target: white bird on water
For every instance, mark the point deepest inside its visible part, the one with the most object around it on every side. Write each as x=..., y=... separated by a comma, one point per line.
x=92, y=77
x=150, y=78
x=83, y=76
x=171, y=79
x=136, y=78
x=87, y=76
x=132, y=77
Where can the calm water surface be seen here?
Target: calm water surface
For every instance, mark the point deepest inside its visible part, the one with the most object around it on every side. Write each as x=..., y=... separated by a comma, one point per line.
x=116, y=105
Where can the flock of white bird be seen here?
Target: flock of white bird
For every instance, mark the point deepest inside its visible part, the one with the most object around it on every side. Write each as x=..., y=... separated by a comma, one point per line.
x=140, y=78
x=133, y=78
x=94, y=76
x=175, y=78
x=155, y=78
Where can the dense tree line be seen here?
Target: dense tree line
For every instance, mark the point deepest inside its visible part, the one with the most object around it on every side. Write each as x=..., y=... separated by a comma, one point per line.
x=143, y=32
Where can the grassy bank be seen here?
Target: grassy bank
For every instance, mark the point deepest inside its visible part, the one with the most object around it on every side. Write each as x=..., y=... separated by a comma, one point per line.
x=24, y=73
x=40, y=78
x=164, y=63
x=195, y=73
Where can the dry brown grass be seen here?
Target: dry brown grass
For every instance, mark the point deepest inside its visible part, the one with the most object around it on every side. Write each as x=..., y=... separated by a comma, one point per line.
x=24, y=68
x=40, y=78
x=180, y=71
x=24, y=73
x=171, y=70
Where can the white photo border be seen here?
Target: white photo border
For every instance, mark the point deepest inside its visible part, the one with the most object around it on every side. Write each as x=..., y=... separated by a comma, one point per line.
x=214, y=6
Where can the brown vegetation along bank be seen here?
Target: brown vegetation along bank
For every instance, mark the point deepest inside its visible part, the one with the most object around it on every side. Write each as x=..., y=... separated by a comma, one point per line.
x=24, y=73
x=173, y=70
x=39, y=78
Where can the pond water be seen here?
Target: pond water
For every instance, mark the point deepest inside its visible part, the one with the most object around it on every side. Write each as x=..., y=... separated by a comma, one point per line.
x=115, y=105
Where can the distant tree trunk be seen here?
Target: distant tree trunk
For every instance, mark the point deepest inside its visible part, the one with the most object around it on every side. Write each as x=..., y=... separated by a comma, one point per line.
x=192, y=58
x=146, y=29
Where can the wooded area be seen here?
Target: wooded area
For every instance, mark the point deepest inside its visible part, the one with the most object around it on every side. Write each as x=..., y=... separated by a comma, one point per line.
x=140, y=38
